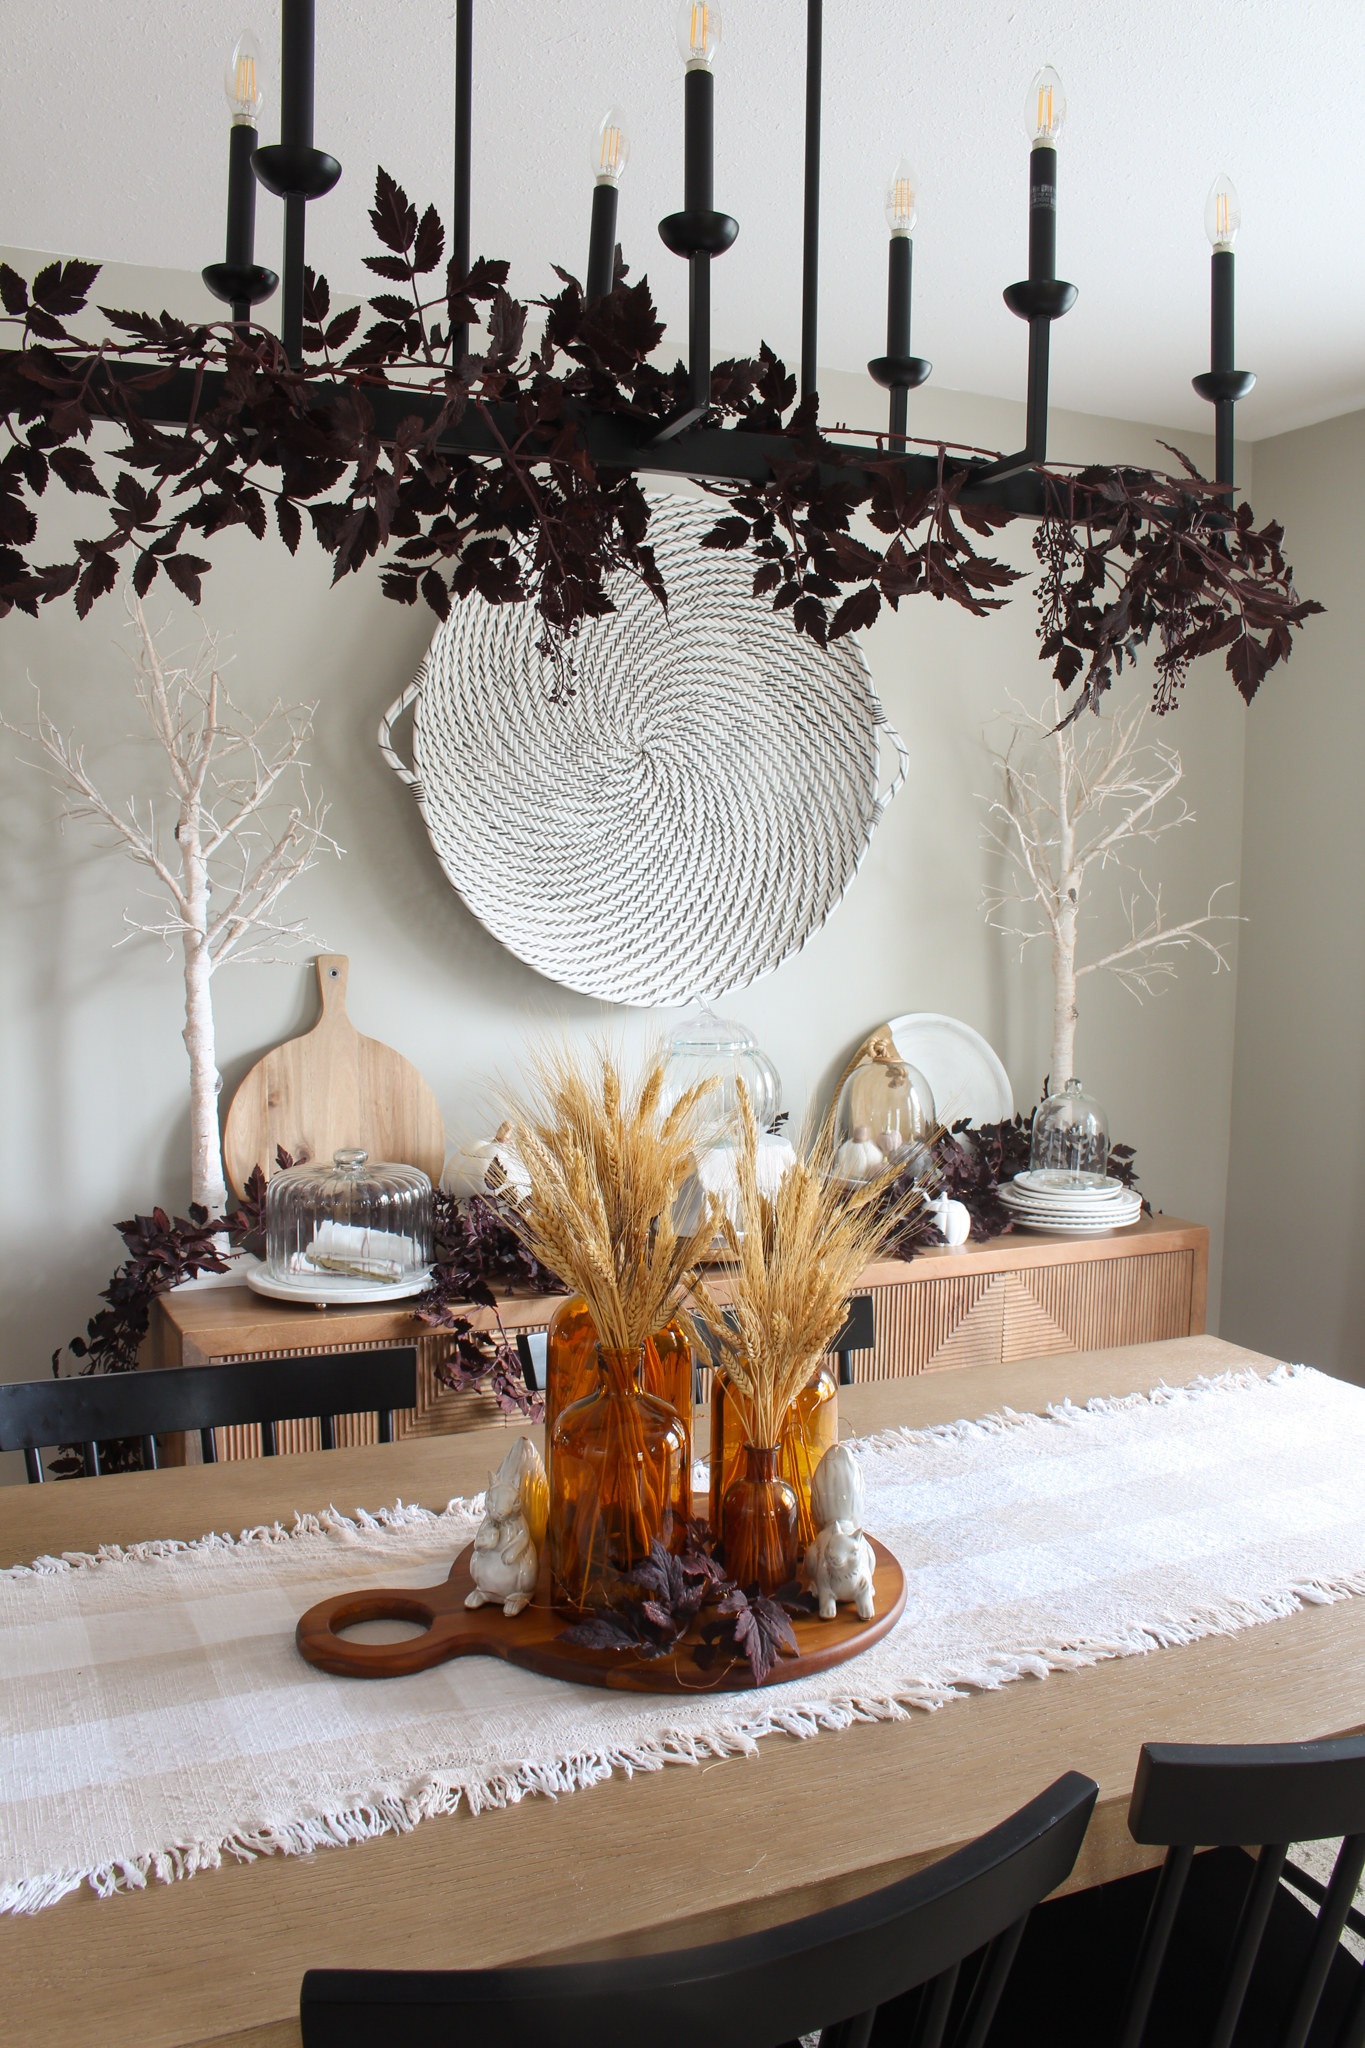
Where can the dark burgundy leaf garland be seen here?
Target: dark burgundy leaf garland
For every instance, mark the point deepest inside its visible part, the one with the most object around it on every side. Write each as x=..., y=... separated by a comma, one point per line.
x=475, y=1250
x=1129, y=556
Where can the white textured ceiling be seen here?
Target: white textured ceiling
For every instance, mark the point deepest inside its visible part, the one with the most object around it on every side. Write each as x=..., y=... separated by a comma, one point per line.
x=114, y=147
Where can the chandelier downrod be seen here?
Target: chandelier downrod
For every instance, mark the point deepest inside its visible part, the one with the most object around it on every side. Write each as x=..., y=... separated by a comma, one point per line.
x=464, y=142
x=292, y=168
x=810, y=246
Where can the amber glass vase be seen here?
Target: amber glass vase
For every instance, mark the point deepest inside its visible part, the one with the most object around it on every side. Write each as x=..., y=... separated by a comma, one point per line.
x=621, y=1479
x=810, y=1427
x=571, y=1368
x=759, y=1523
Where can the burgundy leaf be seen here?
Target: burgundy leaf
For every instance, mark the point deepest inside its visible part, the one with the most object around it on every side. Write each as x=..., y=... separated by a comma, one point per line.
x=99, y=575
x=388, y=266
x=185, y=572
x=289, y=522
x=13, y=290
x=430, y=244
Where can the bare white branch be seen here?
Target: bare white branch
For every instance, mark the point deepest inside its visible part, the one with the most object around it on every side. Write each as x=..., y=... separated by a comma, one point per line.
x=232, y=863
x=1072, y=802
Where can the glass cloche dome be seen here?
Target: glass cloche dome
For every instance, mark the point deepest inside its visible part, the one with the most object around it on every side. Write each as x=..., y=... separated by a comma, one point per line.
x=1071, y=1140
x=703, y=1045
x=352, y=1221
x=885, y=1114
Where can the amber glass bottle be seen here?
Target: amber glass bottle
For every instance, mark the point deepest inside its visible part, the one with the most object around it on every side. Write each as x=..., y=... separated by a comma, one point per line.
x=758, y=1523
x=811, y=1426
x=621, y=1479
x=571, y=1368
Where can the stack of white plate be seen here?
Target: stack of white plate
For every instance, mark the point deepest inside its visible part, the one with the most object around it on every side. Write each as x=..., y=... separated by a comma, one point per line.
x=1054, y=1201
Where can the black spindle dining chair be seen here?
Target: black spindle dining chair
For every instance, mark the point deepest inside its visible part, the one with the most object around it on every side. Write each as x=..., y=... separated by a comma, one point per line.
x=99, y=1407
x=1213, y=1948
x=831, y=1970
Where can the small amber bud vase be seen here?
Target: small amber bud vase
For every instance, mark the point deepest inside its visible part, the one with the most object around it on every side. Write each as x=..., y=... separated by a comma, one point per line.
x=620, y=1479
x=759, y=1523
x=809, y=1428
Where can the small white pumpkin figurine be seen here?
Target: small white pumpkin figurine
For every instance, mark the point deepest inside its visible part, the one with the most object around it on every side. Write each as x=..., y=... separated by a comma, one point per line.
x=487, y=1166
x=505, y=1563
x=858, y=1158
x=840, y=1562
x=954, y=1220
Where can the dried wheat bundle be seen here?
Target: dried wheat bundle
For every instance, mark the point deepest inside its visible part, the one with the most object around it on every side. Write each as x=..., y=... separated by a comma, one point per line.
x=605, y=1168
x=799, y=1255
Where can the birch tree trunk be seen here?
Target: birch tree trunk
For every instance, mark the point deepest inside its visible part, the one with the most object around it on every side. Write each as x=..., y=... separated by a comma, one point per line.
x=1064, y=931
x=207, y=1184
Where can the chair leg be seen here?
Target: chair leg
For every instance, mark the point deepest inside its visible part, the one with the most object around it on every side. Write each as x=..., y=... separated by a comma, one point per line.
x=1155, y=1936
x=90, y=1460
x=1340, y=1892
x=149, y=1454
x=845, y=1364
x=208, y=1446
x=33, y=1466
x=933, y=2019
x=1352, y=2034
x=386, y=1425
x=1251, y=1926
x=996, y=1965
x=852, y=2033
x=269, y=1447
x=328, y=1424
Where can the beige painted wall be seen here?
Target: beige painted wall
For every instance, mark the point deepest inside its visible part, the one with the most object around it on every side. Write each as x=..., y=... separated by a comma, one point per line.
x=92, y=1068
x=1293, y=1281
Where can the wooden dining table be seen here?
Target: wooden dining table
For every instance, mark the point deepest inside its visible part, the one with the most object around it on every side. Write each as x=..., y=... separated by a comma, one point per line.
x=660, y=1860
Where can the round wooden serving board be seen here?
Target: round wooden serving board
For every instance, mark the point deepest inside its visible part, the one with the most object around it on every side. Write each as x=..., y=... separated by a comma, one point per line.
x=529, y=1639
x=329, y=1089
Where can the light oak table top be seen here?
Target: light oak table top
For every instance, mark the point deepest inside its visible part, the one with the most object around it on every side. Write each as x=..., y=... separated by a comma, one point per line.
x=663, y=1859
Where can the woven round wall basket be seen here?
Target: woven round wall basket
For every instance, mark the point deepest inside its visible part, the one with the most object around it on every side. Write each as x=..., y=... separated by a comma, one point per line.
x=682, y=822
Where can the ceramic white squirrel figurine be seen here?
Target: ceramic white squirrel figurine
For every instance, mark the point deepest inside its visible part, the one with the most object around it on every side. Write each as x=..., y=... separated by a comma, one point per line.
x=505, y=1563
x=840, y=1562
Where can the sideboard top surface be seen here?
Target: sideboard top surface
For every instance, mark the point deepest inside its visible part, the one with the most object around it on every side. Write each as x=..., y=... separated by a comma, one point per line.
x=214, y=1322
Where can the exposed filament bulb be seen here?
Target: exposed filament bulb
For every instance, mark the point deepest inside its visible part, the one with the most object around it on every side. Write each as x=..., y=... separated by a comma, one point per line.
x=1222, y=212
x=242, y=81
x=1044, y=108
x=610, y=152
x=902, y=199
x=698, y=33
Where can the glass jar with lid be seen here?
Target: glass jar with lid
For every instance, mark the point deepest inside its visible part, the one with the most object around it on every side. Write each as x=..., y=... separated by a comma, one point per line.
x=885, y=1115
x=1071, y=1140
x=353, y=1223
x=704, y=1046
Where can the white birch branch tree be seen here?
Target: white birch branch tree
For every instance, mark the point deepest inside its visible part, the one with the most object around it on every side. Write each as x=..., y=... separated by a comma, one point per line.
x=245, y=828
x=1074, y=800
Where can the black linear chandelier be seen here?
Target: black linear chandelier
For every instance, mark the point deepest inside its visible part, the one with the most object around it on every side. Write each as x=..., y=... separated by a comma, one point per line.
x=296, y=172
x=510, y=469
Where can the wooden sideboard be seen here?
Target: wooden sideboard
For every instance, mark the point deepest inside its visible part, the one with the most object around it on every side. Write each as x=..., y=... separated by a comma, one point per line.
x=1027, y=1295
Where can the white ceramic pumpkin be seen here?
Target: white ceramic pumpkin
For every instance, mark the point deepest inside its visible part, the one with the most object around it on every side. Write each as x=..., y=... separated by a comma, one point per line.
x=859, y=1158
x=487, y=1166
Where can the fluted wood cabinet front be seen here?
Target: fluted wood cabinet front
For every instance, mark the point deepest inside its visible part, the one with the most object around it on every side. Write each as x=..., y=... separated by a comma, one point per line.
x=1022, y=1296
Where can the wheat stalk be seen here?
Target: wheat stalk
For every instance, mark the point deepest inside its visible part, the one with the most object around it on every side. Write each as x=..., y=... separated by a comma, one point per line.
x=605, y=1169
x=798, y=1255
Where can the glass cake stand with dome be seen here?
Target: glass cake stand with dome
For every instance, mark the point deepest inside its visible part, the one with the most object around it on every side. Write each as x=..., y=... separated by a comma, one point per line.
x=353, y=1231
x=1070, y=1147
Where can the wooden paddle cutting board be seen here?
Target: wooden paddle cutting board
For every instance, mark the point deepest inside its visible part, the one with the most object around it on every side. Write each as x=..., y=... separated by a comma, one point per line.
x=330, y=1089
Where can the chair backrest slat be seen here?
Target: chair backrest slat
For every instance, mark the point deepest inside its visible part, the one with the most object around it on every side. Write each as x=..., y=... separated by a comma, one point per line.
x=100, y=1406
x=1200, y=1795
x=831, y=1968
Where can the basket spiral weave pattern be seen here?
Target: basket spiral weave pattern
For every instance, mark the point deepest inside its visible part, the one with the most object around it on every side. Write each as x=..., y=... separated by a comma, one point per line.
x=681, y=823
